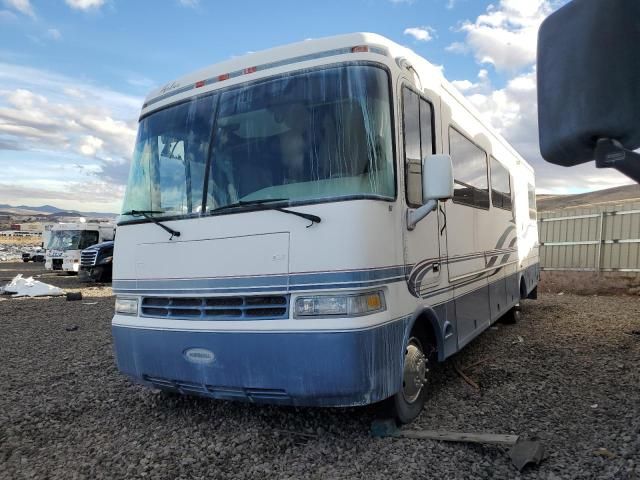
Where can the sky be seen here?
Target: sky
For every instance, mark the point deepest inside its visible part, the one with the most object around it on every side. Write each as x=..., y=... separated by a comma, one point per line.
x=74, y=73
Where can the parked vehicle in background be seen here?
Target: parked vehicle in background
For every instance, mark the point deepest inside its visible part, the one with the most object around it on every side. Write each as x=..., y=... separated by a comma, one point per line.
x=36, y=254
x=69, y=239
x=317, y=224
x=96, y=263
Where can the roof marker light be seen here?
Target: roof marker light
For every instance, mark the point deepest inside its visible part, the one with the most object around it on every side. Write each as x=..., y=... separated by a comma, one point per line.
x=360, y=49
x=223, y=77
x=249, y=70
x=200, y=83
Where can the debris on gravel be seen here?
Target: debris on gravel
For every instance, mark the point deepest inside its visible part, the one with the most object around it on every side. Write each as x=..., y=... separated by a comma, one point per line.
x=573, y=383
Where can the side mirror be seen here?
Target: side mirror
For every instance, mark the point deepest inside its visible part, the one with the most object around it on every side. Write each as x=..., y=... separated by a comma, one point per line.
x=437, y=178
x=437, y=184
x=589, y=85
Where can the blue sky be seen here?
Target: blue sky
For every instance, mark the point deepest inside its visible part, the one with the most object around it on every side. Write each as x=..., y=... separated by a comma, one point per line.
x=73, y=74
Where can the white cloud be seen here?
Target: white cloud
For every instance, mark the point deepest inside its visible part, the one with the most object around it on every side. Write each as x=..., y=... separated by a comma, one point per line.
x=54, y=34
x=422, y=34
x=85, y=4
x=483, y=85
x=91, y=145
x=457, y=47
x=48, y=113
x=189, y=3
x=506, y=35
x=513, y=112
x=22, y=6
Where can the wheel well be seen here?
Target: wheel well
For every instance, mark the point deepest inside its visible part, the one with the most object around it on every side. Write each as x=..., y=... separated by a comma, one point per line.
x=423, y=328
x=523, y=288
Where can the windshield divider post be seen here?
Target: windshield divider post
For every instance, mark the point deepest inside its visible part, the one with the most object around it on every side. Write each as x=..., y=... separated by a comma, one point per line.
x=207, y=166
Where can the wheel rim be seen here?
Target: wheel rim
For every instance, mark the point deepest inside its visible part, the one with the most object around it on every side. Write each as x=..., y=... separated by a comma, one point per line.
x=414, y=375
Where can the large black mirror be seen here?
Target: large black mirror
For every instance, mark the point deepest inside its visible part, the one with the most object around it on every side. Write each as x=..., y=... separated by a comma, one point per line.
x=589, y=85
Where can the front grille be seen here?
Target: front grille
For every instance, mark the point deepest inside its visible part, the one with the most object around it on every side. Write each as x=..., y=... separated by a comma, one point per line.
x=57, y=263
x=88, y=258
x=269, y=307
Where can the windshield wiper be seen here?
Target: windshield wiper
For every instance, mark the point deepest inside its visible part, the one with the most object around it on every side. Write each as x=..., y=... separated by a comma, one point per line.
x=262, y=204
x=147, y=214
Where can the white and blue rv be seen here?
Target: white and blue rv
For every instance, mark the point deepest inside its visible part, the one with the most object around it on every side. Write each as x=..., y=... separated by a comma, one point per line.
x=316, y=224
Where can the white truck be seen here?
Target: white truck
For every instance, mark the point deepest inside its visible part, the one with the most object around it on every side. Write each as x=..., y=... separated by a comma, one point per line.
x=67, y=240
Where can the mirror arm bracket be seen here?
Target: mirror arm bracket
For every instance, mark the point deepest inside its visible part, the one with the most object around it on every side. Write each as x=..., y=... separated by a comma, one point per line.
x=416, y=215
x=611, y=153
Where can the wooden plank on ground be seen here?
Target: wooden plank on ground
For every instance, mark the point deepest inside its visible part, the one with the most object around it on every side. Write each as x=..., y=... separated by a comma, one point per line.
x=488, y=438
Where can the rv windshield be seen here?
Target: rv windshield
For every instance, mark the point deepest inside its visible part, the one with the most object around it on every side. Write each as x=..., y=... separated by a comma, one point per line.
x=310, y=136
x=72, y=239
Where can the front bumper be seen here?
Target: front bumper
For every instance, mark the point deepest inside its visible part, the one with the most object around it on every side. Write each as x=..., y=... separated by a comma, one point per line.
x=293, y=368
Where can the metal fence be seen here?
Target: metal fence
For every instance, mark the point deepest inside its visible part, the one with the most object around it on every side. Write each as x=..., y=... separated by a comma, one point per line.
x=599, y=239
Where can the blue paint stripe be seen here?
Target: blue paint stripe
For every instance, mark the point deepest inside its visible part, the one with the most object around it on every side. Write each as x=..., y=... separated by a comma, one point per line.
x=280, y=288
x=272, y=283
x=303, y=281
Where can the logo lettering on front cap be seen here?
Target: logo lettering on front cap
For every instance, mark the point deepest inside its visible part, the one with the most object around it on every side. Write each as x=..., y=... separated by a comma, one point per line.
x=199, y=355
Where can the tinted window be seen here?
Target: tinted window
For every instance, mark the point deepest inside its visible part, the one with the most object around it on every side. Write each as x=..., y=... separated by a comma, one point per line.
x=469, y=170
x=412, y=160
x=532, y=202
x=305, y=136
x=500, y=185
x=167, y=171
x=315, y=135
x=418, y=141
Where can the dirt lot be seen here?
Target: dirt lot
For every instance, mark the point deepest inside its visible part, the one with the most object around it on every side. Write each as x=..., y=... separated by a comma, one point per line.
x=566, y=373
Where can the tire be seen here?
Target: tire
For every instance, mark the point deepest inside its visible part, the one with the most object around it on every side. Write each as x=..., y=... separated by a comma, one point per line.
x=512, y=316
x=533, y=295
x=407, y=404
x=25, y=260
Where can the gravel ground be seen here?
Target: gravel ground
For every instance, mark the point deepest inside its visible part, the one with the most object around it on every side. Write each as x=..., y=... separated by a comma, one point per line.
x=566, y=373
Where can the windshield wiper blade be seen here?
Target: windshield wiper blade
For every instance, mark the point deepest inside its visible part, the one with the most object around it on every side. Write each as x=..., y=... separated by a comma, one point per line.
x=262, y=204
x=147, y=214
x=245, y=203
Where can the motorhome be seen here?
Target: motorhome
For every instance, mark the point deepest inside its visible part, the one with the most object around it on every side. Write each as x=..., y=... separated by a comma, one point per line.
x=317, y=224
x=67, y=240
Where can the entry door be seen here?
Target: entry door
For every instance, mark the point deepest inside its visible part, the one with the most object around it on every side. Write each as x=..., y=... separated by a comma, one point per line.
x=421, y=245
x=467, y=216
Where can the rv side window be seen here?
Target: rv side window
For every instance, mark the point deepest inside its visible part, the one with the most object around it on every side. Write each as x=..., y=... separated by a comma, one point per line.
x=412, y=161
x=426, y=128
x=418, y=142
x=532, y=202
x=469, y=170
x=500, y=185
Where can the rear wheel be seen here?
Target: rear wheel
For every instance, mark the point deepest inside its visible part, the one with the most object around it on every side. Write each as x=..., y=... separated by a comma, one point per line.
x=512, y=316
x=407, y=404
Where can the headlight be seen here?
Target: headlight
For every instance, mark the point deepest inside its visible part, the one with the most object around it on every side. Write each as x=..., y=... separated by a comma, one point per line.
x=127, y=306
x=340, y=305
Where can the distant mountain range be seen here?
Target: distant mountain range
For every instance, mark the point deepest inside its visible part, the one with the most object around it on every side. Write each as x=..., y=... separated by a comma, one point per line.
x=51, y=211
x=624, y=194
x=545, y=203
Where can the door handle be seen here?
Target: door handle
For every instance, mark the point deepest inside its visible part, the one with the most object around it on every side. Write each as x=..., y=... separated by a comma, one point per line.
x=436, y=267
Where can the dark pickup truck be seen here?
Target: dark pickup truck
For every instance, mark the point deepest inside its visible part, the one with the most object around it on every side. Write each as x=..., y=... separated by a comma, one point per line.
x=36, y=255
x=96, y=263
